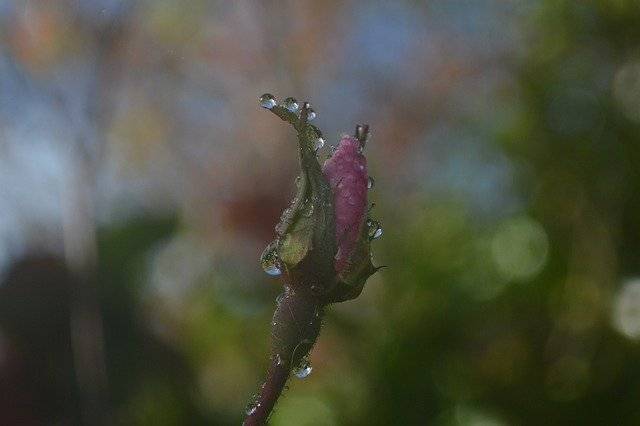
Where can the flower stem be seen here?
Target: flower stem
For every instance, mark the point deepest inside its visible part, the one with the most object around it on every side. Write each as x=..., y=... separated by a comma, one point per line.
x=271, y=389
x=295, y=328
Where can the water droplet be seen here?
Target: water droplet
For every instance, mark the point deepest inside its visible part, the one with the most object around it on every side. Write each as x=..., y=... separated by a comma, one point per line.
x=319, y=143
x=362, y=133
x=270, y=261
x=252, y=405
x=279, y=298
x=267, y=101
x=279, y=360
x=272, y=270
x=291, y=104
x=377, y=234
x=308, y=210
x=303, y=370
x=370, y=182
x=375, y=230
x=311, y=114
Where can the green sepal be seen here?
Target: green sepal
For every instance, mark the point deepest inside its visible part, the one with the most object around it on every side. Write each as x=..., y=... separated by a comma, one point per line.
x=305, y=240
x=297, y=241
x=351, y=280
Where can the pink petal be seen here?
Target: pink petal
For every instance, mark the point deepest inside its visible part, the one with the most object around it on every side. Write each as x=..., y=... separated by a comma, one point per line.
x=346, y=172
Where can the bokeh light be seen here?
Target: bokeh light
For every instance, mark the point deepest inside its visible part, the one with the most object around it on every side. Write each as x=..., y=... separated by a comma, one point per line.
x=626, y=89
x=520, y=248
x=626, y=309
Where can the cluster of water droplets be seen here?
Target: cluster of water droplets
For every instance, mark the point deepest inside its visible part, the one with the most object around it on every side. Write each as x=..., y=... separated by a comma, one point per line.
x=374, y=230
x=269, y=101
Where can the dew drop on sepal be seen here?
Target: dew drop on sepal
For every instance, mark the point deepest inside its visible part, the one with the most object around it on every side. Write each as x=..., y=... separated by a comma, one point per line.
x=377, y=234
x=272, y=270
x=370, y=182
x=270, y=261
x=291, y=104
x=267, y=101
x=375, y=230
x=361, y=132
x=311, y=114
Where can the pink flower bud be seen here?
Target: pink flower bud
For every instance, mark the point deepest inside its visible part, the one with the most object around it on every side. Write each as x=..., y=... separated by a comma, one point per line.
x=346, y=172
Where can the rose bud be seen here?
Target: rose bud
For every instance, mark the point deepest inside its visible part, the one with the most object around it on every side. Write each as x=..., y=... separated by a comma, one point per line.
x=346, y=172
x=321, y=249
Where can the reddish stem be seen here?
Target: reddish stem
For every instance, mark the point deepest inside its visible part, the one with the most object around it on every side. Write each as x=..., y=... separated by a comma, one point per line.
x=295, y=327
x=271, y=389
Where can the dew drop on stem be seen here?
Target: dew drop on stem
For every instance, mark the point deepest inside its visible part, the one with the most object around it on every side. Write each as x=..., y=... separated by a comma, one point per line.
x=252, y=406
x=303, y=370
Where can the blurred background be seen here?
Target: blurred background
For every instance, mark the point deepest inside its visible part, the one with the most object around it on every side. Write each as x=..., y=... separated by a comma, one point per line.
x=140, y=181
